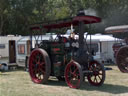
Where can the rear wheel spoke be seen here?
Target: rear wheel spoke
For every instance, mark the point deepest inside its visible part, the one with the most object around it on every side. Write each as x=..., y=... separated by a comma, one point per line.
x=99, y=77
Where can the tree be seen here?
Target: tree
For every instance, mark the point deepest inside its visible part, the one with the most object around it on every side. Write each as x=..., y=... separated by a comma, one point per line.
x=4, y=5
x=17, y=15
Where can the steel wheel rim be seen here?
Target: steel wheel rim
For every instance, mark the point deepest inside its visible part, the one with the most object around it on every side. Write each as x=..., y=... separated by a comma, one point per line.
x=37, y=66
x=98, y=74
x=122, y=59
x=72, y=75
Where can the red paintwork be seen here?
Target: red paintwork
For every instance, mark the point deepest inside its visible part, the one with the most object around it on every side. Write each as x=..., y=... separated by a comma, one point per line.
x=56, y=49
x=97, y=76
x=74, y=21
x=36, y=67
x=72, y=76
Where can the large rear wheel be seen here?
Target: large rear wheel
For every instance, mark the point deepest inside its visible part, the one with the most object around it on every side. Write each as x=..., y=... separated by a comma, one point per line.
x=122, y=59
x=73, y=74
x=97, y=76
x=39, y=66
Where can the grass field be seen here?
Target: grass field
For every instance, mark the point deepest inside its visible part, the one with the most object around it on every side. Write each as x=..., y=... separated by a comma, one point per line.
x=18, y=83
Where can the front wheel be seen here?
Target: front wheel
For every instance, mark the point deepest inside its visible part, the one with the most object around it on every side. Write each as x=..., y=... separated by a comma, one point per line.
x=97, y=76
x=73, y=75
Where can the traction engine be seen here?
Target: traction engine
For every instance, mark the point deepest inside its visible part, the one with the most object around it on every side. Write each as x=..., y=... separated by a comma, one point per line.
x=65, y=58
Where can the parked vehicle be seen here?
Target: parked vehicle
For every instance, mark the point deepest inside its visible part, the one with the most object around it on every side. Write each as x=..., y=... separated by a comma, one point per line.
x=121, y=54
x=65, y=57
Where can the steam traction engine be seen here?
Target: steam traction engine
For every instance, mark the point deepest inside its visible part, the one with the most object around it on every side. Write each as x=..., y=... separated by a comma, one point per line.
x=121, y=49
x=60, y=58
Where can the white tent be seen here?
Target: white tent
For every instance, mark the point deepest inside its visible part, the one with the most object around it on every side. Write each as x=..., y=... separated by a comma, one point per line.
x=106, y=42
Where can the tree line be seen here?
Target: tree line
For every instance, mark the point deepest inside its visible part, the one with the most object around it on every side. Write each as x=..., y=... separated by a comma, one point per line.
x=16, y=15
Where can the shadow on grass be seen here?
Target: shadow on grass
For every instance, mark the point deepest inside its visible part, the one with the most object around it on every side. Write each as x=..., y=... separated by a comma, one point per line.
x=13, y=69
x=109, y=88
x=10, y=71
x=3, y=74
x=56, y=83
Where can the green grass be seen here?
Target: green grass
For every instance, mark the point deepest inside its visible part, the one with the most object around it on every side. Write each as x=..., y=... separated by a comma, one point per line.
x=18, y=83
